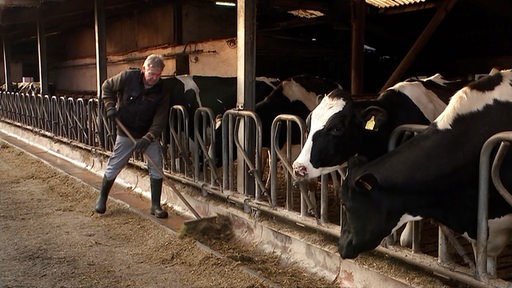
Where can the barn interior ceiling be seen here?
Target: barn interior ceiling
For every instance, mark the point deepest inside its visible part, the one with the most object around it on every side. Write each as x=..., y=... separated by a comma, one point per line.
x=474, y=30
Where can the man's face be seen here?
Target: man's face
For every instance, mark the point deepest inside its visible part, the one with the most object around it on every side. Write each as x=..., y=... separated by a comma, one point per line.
x=151, y=75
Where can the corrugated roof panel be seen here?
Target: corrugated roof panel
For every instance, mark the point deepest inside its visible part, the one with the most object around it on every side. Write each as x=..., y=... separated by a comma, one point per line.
x=392, y=3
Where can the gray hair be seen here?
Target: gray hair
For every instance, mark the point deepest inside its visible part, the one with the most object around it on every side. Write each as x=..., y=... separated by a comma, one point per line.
x=154, y=61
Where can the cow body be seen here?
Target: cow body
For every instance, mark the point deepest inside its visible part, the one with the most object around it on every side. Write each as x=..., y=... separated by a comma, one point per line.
x=216, y=93
x=434, y=175
x=341, y=127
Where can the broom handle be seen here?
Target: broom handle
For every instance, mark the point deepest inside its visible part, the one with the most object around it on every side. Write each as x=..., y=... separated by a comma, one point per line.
x=171, y=185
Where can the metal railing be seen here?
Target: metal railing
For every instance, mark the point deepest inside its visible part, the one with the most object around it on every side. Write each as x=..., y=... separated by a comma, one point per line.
x=79, y=121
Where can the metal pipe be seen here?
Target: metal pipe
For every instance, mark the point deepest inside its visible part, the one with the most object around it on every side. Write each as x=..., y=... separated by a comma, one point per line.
x=483, y=202
x=13, y=111
x=495, y=172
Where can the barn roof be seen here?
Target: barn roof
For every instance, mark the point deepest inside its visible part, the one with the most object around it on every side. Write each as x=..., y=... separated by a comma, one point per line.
x=475, y=33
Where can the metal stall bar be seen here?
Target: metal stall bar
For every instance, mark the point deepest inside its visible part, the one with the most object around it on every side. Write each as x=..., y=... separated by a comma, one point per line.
x=254, y=168
x=204, y=131
x=92, y=122
x=16, y=106
x=70, y=116
x=53, y=115
x=504, y=139
x=276, y=153
x=12, y=106
x=22, y=111
x=38, y=112
x=81, y=121
x=63, y=120
x=179, y=141
x=231, y=122
x=2, y=104
x=46, y=118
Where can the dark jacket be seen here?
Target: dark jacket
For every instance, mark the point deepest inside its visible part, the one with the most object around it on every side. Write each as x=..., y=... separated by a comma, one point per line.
x=144, y=112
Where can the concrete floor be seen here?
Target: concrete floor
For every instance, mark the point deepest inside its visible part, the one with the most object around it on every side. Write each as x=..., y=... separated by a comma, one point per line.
x=322, y=259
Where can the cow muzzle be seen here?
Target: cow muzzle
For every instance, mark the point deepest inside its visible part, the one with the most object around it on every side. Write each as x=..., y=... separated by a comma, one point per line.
x=299, y=170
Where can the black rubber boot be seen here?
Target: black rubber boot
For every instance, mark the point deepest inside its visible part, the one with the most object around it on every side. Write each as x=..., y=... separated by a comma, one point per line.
x=101, y=204
x=156, y=193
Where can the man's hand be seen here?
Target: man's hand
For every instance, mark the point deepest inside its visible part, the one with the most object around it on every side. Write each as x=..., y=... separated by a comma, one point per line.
x=141, y=145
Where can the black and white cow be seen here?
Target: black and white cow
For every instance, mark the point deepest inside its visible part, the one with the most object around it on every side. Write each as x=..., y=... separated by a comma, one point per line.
x=297, y=95
x=434, y=175
x=216, y=93
x=341, y=127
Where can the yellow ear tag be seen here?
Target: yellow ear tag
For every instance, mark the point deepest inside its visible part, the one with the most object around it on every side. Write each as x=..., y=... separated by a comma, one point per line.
x=370, y=124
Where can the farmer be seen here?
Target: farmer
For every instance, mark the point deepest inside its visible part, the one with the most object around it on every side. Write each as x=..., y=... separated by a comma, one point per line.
x=136, y=99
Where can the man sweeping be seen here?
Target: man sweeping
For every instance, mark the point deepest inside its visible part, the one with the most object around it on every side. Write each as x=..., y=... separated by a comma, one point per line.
x=135, y=97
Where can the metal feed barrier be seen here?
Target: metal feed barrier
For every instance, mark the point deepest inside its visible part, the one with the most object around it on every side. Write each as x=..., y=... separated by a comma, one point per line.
x=82, y=123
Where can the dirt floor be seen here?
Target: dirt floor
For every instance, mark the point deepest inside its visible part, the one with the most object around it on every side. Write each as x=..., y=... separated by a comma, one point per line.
x=50, y=238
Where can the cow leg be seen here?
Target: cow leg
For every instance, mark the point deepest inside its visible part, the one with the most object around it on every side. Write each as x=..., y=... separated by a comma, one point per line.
x=312, y=189
x=492, y=266
x=492, y=261
x=335, y=183
x=410, y=237
x=500, y=233
x=311, y=205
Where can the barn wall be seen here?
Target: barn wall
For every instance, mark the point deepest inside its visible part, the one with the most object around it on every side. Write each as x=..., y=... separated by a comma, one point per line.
x=203, y=20
x=141, y=30
x=16, y=71
x=206, y=58
x=133, y=36
x=79, y=44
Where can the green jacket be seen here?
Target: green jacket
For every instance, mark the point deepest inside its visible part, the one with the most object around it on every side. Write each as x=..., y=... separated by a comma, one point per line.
x=144, y=112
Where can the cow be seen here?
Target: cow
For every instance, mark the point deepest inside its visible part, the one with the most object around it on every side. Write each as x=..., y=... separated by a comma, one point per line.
x=434, y=175
x=296, y=95
x=341, y=127
x=216, y=93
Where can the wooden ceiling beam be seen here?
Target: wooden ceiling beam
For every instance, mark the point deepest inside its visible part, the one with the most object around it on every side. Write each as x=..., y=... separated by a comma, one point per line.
x=287, y=5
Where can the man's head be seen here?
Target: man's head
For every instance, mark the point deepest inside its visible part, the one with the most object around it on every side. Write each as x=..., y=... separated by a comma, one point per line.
x=152, y=69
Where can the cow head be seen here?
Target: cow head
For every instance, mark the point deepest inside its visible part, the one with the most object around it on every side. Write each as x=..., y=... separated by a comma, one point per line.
x=296, y=95
x=331, y=128
x=368, y=216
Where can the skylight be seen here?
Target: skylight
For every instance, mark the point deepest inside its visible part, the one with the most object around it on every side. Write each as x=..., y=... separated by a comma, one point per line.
x=392, y=3
x=306, y=13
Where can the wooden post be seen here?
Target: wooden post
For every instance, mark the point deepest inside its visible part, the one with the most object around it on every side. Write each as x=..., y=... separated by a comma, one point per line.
x=357, y=66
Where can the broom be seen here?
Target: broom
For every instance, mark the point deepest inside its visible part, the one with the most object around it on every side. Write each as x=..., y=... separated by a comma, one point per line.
x=210, y=227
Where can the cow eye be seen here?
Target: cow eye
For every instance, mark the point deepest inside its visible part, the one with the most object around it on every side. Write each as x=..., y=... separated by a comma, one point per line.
x=336, y=130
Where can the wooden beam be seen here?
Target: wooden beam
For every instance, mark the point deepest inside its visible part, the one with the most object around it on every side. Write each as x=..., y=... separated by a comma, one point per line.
x=20, y=3
x=436, y=20
x=294, y=23
x=294, y=4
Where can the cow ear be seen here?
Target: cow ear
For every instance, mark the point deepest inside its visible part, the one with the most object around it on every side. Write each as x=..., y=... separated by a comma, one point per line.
x=373, y=118
x=308, y=122
x=366, y=181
